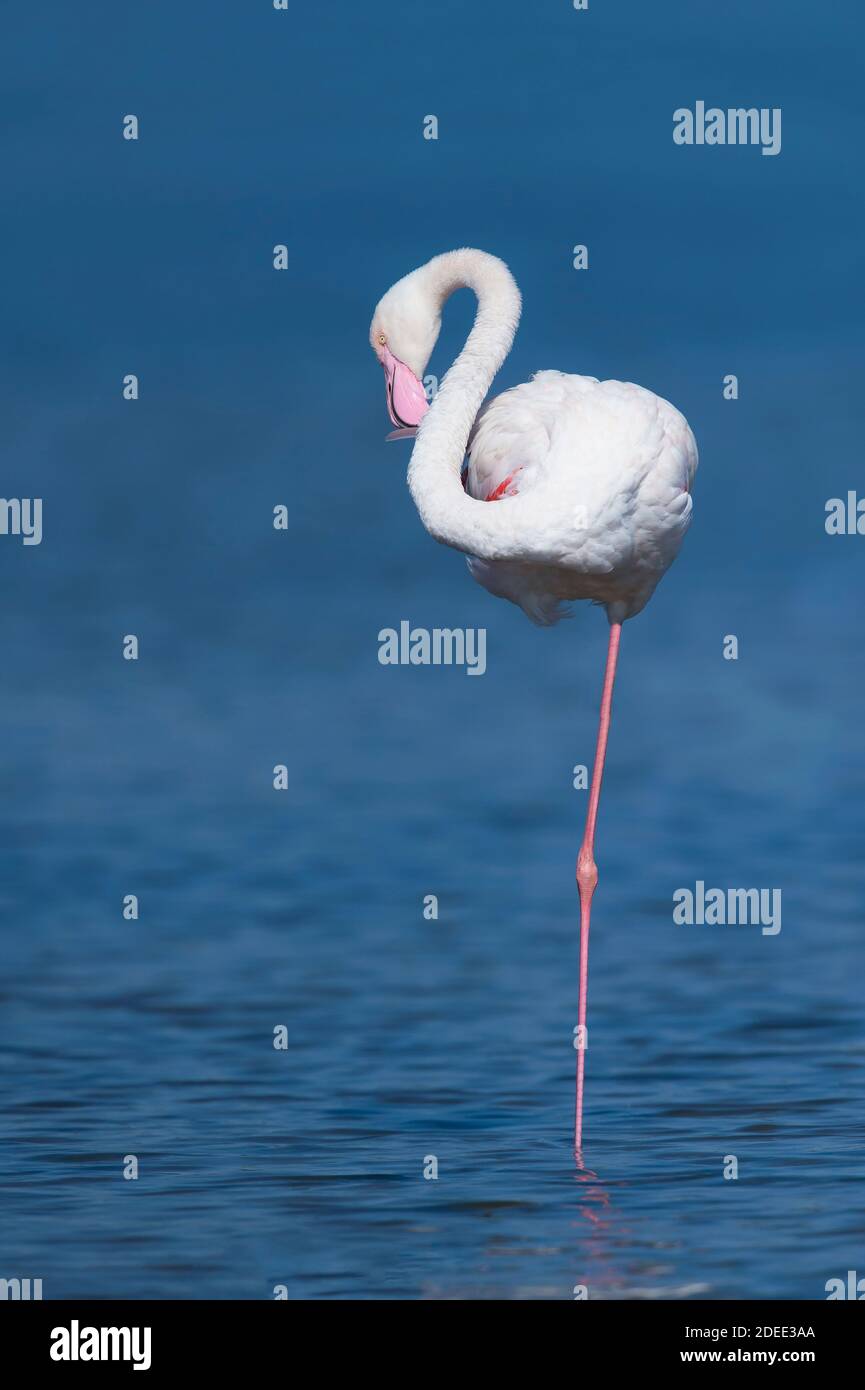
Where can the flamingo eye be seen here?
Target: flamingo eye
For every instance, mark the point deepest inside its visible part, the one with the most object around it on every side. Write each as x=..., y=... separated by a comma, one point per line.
x=382, y=337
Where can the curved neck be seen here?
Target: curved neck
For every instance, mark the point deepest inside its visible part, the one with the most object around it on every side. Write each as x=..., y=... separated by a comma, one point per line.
x=447, y=512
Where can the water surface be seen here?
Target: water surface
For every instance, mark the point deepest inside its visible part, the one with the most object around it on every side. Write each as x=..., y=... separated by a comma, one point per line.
x=410, y=1038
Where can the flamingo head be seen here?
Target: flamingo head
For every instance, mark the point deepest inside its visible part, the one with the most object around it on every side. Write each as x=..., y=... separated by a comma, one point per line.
x=402, y=335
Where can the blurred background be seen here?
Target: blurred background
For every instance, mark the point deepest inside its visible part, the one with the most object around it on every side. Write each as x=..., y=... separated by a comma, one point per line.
x=409, y=1038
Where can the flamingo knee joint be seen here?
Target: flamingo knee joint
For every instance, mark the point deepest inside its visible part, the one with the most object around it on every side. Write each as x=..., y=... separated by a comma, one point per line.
x=587, y=872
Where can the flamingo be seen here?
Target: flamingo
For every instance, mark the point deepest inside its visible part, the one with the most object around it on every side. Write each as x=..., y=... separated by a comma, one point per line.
x=591, y=482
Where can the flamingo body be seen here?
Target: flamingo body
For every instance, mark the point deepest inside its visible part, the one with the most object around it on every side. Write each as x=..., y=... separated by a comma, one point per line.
x=598, y=476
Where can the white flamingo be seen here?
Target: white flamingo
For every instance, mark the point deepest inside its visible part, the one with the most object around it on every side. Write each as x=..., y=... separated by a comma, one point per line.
x=591, y=480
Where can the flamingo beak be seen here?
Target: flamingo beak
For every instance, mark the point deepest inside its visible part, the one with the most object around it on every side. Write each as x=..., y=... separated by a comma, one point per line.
x=406, y=399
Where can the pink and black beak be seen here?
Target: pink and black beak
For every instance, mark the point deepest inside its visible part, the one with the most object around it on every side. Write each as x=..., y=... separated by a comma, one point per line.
x=406, y=399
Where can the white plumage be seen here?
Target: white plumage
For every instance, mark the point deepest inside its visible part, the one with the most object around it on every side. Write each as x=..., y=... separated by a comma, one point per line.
x=608, y=468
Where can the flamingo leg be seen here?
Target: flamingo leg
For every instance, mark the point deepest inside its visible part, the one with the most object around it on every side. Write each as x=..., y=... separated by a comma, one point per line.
x=587, y=870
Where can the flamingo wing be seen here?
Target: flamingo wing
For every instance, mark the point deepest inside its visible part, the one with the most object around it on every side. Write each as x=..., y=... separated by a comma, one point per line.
x=512, y=436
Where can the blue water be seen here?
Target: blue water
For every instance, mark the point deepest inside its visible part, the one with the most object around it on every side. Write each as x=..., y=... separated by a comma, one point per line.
x=409, y=1038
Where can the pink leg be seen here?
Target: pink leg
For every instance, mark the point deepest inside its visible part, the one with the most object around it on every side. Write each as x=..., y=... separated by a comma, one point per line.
x=587, y=871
